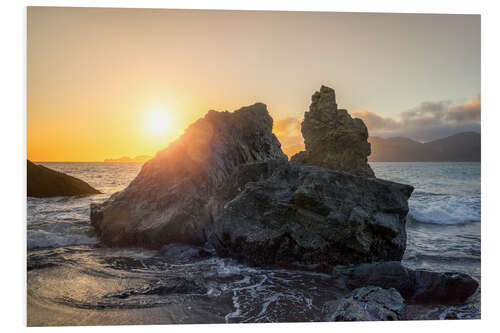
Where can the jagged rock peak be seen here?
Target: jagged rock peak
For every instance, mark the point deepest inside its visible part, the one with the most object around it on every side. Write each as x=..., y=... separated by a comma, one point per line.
x=333, y=139
x=324, y=98
x=169, y=201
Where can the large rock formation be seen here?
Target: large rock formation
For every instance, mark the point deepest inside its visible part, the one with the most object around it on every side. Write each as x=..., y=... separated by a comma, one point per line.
x=170, y=201
x=283, y=214
x=369, y=304
x=44, y=182
x=332, y=138
x=416, y=286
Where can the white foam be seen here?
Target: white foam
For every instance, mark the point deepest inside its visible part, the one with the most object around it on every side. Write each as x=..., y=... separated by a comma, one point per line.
x=446, y=209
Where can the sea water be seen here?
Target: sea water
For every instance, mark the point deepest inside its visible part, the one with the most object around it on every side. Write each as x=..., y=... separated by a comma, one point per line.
x=73, y=280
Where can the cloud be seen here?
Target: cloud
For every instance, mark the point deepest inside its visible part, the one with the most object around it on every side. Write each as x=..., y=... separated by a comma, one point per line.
x=468, y=112
x=427, y=121
x=376, y=122
x=288, y=132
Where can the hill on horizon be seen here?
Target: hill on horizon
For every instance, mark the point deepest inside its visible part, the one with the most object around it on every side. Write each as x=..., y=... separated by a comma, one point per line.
x=124, y=159
x=461, y=147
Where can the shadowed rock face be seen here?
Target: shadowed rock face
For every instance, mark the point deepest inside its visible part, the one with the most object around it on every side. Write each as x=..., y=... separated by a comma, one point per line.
x=294, y=216
x=332, y=138
x=170, y=200
x=44, y=182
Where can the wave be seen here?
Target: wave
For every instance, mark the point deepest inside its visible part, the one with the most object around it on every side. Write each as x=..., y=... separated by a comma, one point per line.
x=38, y=239
x=445, y=209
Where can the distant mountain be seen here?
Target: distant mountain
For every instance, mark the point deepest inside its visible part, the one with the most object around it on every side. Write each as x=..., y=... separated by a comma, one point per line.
x=461, y=147
x=125, y=159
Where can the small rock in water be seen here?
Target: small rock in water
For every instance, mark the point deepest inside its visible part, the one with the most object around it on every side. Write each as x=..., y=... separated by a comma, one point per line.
x=369, y=304
x=43, y=182
x=416, y=286
x=182, y=253
x=449, y=287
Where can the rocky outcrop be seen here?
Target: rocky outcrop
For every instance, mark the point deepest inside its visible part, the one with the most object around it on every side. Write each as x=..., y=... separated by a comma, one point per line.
x=332, y=138
x=369, y=304
x=226, y=181
x=296, y=216
x=416, y=286
x=171, y=200
x=44, y=182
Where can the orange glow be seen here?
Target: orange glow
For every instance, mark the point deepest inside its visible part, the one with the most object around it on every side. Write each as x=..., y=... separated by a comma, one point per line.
x=104, y=83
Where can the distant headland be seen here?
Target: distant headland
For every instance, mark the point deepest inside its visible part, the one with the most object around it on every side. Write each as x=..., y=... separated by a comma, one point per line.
x=125, y=159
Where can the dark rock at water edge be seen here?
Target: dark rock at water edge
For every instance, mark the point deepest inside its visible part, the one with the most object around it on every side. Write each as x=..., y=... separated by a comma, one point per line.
x=170, y=200
x=44, y=182
x=333, y=139
x=369, y=304
x=183, y=253
x=283, y=214
x=163, y=288
x=416, y=286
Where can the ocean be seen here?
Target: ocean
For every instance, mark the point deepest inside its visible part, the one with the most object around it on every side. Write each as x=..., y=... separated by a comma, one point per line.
x=73, y=280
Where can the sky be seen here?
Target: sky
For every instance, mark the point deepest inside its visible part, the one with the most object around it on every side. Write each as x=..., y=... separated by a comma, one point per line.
x=105, y=83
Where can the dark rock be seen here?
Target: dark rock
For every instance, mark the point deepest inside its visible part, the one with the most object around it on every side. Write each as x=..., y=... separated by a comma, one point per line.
x=163, y=288
x=449, y=287
x=170, y=200
x=288, y=215
x=183, y=253
x=332, y=138
x=369, y=304
x=387, y=274
x=44, y=182
x=416, y=286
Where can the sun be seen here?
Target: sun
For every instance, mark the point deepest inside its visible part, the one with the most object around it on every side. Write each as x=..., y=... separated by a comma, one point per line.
x=159, y=123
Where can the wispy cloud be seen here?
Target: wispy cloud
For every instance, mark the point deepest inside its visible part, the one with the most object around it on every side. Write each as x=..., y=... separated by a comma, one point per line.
x=427, y=121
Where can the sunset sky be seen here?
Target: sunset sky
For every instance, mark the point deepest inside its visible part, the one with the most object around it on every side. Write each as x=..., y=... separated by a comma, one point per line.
x=106, y=83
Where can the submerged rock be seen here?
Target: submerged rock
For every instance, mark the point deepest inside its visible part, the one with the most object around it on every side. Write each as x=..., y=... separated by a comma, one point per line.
x=183, y=253
x=333, y=139
x=294, y=216
x=164, y=287
x=369, y=304
x=416, y=286
x=170, y=201
x=44, y=182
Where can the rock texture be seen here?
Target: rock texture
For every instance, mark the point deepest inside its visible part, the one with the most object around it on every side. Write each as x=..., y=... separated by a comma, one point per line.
x=332, y=138
x=289, y=215
x=369, y=304
x=44, y=182
x=170, y=201
x=416, y=286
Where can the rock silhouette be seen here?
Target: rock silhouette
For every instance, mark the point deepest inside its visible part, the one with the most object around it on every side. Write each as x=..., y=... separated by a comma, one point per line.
x=333, y=139
x=44, y=182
